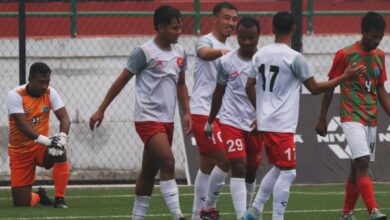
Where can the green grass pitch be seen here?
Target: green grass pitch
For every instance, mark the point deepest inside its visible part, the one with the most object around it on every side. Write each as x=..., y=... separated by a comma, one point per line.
x=320, y=202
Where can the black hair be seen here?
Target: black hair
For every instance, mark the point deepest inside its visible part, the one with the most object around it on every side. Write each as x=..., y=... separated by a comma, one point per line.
x=373, y=21
x=164, y=14
x=38, y=68
x=249, y=22
x=283, y=22
x=218, y=7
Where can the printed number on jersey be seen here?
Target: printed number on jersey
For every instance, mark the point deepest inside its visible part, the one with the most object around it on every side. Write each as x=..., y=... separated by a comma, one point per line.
x=273, y=70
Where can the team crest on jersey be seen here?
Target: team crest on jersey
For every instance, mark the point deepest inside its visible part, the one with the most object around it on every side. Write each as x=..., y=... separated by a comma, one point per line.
x=180, y=61
x=45, y=109
x=377, y=72
x=234, y=74
x=159, y=62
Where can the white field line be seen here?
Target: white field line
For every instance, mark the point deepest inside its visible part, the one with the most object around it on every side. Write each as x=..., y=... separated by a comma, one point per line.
x=383, y=193
x=167, y=215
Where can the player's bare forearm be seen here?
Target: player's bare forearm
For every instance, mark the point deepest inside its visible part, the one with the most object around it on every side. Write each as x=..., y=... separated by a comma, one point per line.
x=316, y=88
x=326, y=100
x=384, y=98
x=182, y=94
x=207, y=53
x=216, y=103
x=115, y=89
x=251, y=91
x=24, y=126
x=63, y=117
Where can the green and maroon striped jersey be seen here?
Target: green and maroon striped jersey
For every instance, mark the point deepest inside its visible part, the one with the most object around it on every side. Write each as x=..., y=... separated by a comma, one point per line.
x=359, y=94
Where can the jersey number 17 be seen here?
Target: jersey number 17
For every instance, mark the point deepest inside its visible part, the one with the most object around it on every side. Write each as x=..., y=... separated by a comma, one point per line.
x=274, y=70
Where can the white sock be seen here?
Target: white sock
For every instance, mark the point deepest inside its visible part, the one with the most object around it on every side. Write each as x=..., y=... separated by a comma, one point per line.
x=250, y=189
x=216, y=181
x=237, y=191
x=170, y=194
x=282, y=192
x=200, y=190
x=266, y=188
x=141, y=205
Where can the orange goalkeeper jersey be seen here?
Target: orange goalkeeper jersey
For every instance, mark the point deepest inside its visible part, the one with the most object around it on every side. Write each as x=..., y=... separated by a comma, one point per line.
x=37, y=111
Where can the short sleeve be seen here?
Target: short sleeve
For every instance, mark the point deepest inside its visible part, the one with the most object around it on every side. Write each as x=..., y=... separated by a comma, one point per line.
x=14, y=103
x=253, y=72
x=136, y=61
x=202, y=42
x=339, y=65
x=222, y=75
x=301, y=68
x=383, y=76
x=55, y=99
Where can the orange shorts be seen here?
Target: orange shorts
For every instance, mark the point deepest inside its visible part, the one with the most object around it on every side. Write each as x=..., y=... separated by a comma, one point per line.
x=23, y=161
x=205, y=144
x=280, y=148
x=242, y=144
x=147, y=129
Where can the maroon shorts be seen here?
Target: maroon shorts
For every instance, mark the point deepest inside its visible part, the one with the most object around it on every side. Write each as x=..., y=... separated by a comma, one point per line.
x=147, y=129
x=205, y=144
x=280, y=148
x=242, y=144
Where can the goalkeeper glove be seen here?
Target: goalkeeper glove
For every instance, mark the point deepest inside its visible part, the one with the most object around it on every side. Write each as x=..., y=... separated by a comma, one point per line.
x=58, y=143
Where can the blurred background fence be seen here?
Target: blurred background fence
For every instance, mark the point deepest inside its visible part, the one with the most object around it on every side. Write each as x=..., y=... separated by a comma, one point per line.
x=86, y=43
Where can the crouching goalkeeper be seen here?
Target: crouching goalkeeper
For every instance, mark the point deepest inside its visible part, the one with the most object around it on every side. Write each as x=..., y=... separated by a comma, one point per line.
x=29, y=146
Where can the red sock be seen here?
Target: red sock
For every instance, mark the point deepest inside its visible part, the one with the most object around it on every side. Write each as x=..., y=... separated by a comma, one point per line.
x=60, y=178
x=364, y=185
x=34, y=199
x=351, y=197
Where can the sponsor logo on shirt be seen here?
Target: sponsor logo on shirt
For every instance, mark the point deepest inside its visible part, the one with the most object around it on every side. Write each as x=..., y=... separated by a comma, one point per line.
x=35, y=120
x=159, y=62
x=180, y=62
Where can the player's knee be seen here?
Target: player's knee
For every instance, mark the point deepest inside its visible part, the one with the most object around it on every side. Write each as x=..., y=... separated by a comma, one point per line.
x=238, y=169
x=167, y=165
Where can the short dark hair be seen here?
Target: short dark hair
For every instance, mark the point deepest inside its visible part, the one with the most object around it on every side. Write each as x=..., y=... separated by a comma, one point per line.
x=163, y=15
x=373, y=21
x=283, y=22
x=218, y=7
x=249, y=22
x=38, y=68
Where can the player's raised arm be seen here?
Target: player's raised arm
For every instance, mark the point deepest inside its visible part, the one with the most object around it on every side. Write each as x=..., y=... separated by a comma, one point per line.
x=207, y=53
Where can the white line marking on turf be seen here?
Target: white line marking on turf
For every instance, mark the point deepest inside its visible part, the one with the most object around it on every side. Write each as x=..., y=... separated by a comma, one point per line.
x=166, y=215
x=224, y=194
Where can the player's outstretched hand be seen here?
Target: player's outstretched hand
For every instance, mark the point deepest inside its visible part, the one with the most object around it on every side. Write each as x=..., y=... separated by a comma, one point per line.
x=354, y=70
x=58, y=143
x=208, y=130
x=96, y=119
x=322, y=128
x=187, y=124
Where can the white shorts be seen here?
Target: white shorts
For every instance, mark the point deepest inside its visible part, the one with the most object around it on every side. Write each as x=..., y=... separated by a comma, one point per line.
x=361, y=139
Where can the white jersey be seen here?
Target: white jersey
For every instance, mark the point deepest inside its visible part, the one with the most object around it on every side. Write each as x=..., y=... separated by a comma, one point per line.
x=279, y=71
x=236, y=110
x=205, y=76
x=157, y=72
